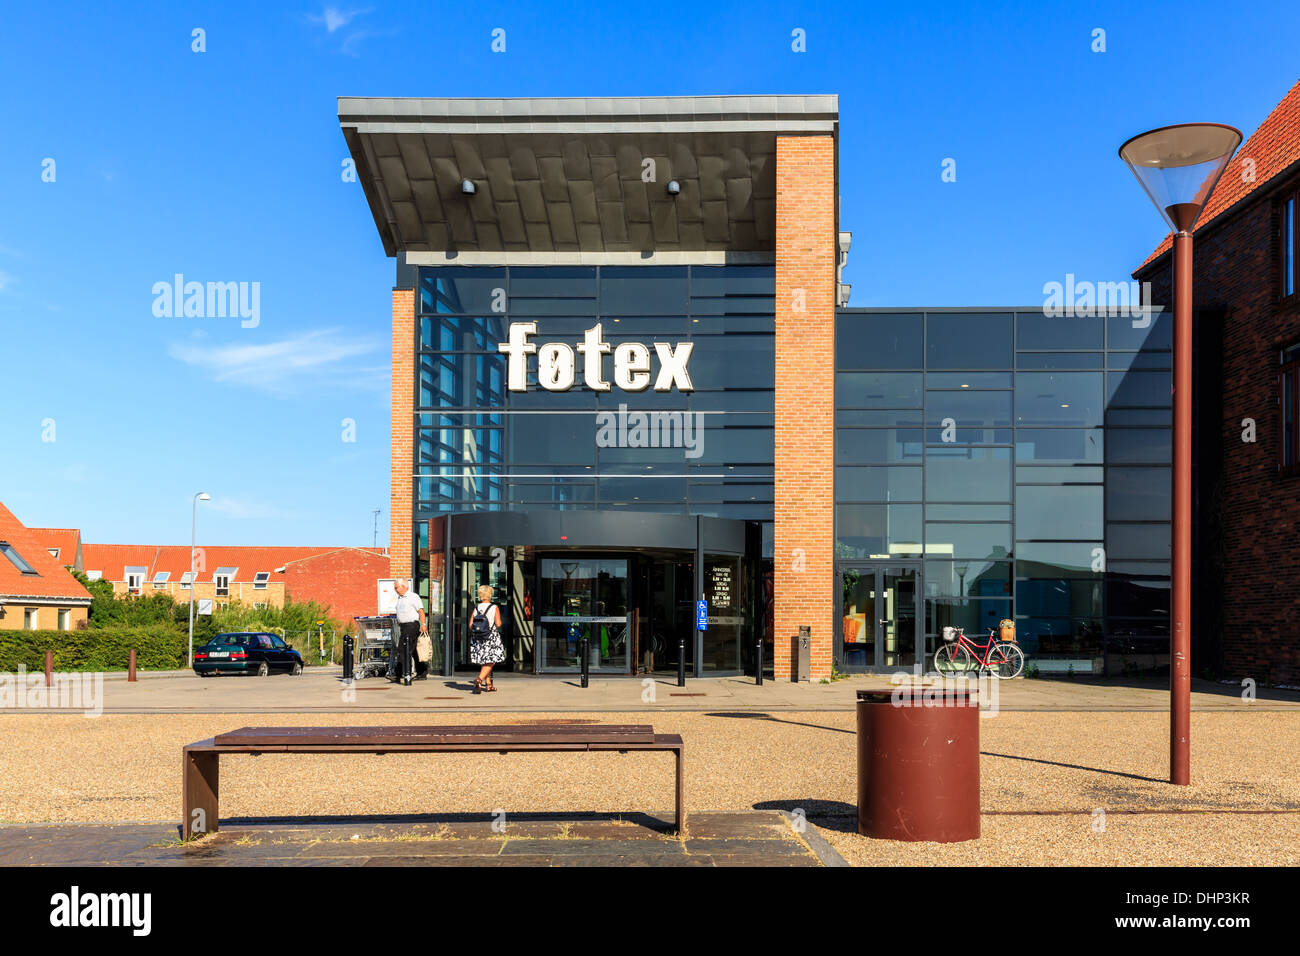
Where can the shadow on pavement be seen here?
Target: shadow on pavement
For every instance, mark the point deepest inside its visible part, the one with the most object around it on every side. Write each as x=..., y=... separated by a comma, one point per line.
x=1075, y=766
x=780, y=720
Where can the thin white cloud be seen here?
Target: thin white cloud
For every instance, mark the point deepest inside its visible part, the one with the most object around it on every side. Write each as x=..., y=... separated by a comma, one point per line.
x=238, y=508
x=304, y=363
x=6, y=280
x=334, y=18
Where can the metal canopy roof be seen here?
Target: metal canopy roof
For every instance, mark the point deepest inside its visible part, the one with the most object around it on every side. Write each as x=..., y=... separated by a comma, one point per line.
x=559, y=179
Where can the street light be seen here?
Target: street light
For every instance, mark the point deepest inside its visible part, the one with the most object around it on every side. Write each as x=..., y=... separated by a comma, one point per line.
x=194, y=523
x=1178, y=167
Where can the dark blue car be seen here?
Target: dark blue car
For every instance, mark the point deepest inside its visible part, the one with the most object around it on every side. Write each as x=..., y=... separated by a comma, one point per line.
x=252, y=652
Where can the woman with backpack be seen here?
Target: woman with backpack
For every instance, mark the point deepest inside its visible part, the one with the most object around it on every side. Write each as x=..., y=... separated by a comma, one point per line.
x=485, y=646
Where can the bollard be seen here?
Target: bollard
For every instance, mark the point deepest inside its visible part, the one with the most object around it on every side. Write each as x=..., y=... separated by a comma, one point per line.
x=758, y=667
x=919, y=763
x=49, y=668
x=586, y=659
x=347, y=658
x=681, y=662
x=130, y=665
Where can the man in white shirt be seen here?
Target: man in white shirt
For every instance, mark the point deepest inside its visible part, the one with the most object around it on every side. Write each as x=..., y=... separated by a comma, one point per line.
x=411, y=624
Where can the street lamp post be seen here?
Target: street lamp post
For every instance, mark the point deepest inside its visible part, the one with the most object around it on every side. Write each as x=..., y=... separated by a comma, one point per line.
x=194, y=524
x=1178, y=167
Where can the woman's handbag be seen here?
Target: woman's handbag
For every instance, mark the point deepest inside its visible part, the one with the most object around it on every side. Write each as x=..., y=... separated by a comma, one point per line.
x=424, y=649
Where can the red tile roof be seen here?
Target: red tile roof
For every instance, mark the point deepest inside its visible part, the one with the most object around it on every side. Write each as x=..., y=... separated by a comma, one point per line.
x=111, y=560
x=51, y=582
x=1274, y=147
x=66, y=540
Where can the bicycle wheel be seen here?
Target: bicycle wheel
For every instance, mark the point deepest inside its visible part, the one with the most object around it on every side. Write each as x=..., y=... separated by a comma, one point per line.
x=953, y=660
x=1006, y=661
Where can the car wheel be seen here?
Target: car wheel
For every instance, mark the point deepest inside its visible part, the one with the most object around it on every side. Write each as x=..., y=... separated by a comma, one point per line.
x=296, y=669
x=262, y=669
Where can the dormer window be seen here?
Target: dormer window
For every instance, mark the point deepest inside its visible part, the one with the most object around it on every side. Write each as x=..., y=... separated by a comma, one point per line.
x=18, y=561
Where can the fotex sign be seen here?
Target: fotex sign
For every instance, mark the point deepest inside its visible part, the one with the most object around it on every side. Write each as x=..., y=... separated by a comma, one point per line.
x=634, y=368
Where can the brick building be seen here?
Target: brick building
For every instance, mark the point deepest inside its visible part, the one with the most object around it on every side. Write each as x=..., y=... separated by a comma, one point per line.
x=36, y=590
x=628, y=394
x=1246, y=453
x=345, y=580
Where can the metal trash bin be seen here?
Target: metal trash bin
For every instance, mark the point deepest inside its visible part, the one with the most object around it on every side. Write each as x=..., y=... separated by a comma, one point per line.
x=918, y=764
x=801, y=656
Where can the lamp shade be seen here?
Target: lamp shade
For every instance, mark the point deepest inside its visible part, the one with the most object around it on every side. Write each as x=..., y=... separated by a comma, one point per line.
x=1178, y=167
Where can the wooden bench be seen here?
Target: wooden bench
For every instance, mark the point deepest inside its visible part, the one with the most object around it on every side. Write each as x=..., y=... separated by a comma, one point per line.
x=201, y=760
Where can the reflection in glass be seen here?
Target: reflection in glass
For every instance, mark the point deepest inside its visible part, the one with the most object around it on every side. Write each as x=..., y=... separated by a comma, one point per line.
x=968, y=340
x=1070, y=512
x=877, y=340
x=1059, y=398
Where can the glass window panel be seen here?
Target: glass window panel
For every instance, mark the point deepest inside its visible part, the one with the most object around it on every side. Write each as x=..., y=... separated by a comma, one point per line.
x=878, y=484
x=1146, y=542
x=878, y=340
x=716, y=281
x=1058, y=474
x=1059, y=398
x=522, y=306
x=1138, y=494
x=735, y=305
x=641, y=489
x=878, y=389
x=968, y=512
x=1059, y=597
x=1124, y=332
x=1034, y=330
x=862, y=531
x=968, y=340
x=894, y=417
x=967, y=540
x=638, y=327
x=540, y=439
x=977, y=617
x=643, y=290
x=1044, y=511
x=967, y=578
x=552, y=490
x=968, y=474
x=462, y=289
x=552, y=282
x=1139, y=416
x=732, y=361
x=968, y=436
x=1122, y=361
x=968, y=409
x=1139, y=388
x=1129, y=595
x=872, y=446
x=1058, y=360
x=719, y=492
x=733, y=400
x=736, y=446
x=1038, y=559
x=1140, y=446
x=968, y=380
x=1059, y=445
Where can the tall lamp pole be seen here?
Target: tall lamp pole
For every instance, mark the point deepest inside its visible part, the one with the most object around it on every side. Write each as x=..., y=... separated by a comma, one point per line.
x=194, y=524
x=1178, y=167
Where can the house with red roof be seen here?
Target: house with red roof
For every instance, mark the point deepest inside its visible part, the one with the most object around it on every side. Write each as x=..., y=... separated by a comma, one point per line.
x=63, y=544
x=36, y=590
x=344, y=579
x=1246, y=406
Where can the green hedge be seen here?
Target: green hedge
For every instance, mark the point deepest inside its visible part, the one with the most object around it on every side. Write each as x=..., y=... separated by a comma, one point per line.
x=158, y=647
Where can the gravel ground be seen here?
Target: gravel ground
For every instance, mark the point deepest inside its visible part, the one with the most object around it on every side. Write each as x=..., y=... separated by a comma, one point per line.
x=57, y=768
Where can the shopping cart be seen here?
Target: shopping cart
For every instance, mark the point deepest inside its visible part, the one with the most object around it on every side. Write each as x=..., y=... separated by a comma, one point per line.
x=374, y=645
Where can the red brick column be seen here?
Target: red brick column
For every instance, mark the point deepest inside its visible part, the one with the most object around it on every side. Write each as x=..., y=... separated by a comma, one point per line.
x=401, y=543
x=806, y=252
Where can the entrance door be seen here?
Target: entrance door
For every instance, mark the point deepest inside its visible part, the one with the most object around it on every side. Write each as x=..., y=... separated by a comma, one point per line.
x=582, y=597
x=879, y=615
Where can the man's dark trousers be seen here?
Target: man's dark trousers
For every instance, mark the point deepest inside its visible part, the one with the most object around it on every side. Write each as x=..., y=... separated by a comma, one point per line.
x=410, y=633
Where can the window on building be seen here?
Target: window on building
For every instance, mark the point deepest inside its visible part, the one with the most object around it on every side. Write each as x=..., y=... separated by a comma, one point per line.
x=223, y=584
x=29, y=619
x=135, y=578
x=94, y=575
x=1290, y=245
x=160, y=580
x=54, y=553
x=1289, y=400
x=260, y=579
x=187, y=578
x=16, y=559
x=65, y=619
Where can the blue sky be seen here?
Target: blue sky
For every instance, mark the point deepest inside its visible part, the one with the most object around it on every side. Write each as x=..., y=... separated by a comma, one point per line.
x=224, y=165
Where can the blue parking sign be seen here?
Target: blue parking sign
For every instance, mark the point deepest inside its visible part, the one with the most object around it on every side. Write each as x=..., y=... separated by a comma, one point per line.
x=701, y=615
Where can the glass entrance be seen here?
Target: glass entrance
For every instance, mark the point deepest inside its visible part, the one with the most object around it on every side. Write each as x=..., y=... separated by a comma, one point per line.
x=879, y=616
x=582, y=597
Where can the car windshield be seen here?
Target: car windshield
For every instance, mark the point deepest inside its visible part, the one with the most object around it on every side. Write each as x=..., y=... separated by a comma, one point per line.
x=238, y=639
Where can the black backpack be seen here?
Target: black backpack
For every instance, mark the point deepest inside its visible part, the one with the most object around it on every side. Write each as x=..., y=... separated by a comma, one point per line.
x=479, y=626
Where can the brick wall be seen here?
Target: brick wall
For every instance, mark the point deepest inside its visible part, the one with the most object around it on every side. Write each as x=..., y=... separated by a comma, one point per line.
x=347, y=581
x=401, y=544
x=806, y=251
x=1256, y=510
x=12, y=617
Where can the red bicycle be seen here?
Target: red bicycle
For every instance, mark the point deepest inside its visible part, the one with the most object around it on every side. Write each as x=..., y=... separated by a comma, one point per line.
x=959, y=655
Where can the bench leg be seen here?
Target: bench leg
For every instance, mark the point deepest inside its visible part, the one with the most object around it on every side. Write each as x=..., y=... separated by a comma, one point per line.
x=680, y=753
x=199, y=791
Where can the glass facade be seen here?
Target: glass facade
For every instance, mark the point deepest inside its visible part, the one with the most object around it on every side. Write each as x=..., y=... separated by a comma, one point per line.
x=598, y=421
x=1019, y=462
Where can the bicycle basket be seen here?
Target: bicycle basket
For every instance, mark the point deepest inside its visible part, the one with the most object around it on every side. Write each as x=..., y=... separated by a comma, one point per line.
x=949, y=634
x=1007, y=631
